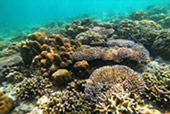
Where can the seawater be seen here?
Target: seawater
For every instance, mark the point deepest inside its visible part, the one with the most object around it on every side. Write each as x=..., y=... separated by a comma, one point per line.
x=30, y=12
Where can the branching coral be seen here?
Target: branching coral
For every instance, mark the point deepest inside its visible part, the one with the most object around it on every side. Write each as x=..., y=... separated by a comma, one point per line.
x=70, y=102
x=112, y=103
x=158, y=86
x=33, y=87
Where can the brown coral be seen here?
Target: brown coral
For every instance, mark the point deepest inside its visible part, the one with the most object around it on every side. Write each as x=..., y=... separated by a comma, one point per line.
x=33, y=87
x=6, y=104
x=116, y=54
x=91, y=38
x=61, y=77
x=70, y=102
x=81, y=69
x=157, y=86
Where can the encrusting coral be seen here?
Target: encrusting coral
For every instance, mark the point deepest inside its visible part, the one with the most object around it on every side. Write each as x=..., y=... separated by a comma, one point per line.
x=6, y=104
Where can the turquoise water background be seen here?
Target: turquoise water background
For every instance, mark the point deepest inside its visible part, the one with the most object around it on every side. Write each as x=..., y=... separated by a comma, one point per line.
x=29, y=12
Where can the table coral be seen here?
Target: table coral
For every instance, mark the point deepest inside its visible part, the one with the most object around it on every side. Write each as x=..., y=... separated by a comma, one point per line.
x=108, y=77
x=116, y=54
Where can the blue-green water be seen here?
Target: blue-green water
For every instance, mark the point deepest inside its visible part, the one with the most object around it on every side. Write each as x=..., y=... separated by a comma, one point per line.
x=29, y=12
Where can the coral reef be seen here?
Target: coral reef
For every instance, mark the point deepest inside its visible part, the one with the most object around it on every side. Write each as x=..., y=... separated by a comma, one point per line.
x=81, y=69
x=140, y=31
x=88, y=53
x=6, y=104
x=118, y=104
x=33, y=88
x=138, y=15
x=120, y=43
x=11, y=49
x=70, y=102
x=77, y=27
x=116, y=54
x=76, y=85
x=108, y=77
x=157, y=86
x=61, y=77
x=157, y=10
x=161, y=45
x=91, y=38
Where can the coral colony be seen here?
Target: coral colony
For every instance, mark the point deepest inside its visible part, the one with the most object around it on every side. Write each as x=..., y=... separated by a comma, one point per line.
x=89, y=67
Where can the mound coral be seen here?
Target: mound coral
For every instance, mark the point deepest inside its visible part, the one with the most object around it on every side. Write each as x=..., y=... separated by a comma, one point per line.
x=118, y=76
x=143, y=31
x=61, y=77
x=91, y=38
x=33, y=87
x=81, y=69
x=77, y=27
x=6, y=104
x=138, y=15
x=161, y=45
x=70, y=102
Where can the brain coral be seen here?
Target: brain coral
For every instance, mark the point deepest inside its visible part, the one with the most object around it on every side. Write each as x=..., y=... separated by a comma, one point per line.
x=108, y=76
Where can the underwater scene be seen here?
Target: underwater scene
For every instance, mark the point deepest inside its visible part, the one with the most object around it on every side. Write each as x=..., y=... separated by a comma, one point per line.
x=84, y=57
